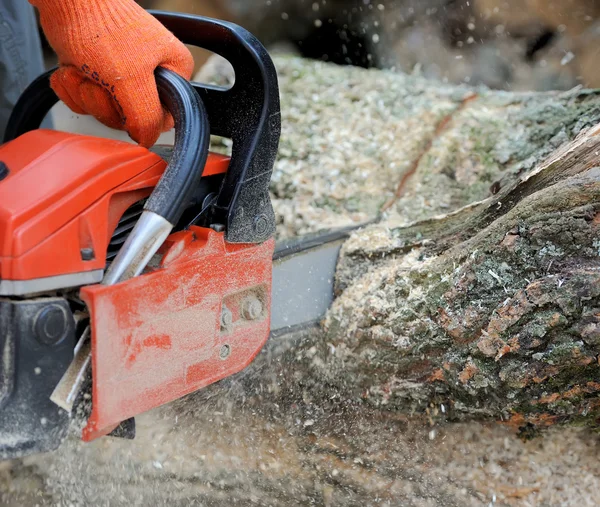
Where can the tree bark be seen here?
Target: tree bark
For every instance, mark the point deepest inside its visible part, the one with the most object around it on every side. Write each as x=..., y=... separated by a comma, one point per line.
x=474, y=298
x=492, y=310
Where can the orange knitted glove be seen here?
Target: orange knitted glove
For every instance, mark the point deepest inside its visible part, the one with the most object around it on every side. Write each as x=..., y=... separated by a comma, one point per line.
x=108, y=51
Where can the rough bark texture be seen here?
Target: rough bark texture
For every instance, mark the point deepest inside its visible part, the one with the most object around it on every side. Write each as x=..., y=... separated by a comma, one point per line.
x=493, y=308
x=475, y=298
x=492, y=311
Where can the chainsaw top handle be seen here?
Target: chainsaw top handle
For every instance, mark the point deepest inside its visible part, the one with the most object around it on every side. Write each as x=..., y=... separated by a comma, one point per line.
x=192, y=139
x=248, y=113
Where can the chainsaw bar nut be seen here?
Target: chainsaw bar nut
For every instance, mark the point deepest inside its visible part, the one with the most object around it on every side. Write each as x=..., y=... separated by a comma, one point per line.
x=225, y=352
x=251, y=308
x=226, y=318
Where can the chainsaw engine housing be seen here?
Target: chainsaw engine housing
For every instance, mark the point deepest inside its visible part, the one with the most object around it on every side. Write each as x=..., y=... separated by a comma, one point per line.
x=72, y=208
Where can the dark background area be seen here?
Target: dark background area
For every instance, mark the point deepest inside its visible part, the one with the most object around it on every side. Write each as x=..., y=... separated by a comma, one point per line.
x=503, y=44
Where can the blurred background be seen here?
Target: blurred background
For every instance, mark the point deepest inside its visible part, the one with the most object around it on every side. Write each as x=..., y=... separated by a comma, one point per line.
x=504, y=44
x=516, y=45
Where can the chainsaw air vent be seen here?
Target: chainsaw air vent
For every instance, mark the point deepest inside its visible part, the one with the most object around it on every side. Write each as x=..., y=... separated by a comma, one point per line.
x=3, y=170
x=124, y=227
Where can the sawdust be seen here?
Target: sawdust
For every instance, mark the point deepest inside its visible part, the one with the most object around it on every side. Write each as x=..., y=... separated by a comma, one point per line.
x=261, y=440
x=344, y=144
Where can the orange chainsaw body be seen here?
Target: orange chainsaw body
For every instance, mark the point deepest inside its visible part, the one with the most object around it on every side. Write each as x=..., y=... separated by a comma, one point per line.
x=155, y=337
x=152, y=265
x=65, y=193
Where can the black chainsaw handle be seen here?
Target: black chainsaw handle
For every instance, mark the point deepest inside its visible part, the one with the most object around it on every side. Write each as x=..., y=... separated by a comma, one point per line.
x=248, y=113
x=173, y=192
x=31, y=108
x=192, y=137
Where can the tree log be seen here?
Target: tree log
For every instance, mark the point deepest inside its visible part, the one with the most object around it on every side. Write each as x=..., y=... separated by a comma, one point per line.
x=473, y=301
x=492, y=310
x=478, y=288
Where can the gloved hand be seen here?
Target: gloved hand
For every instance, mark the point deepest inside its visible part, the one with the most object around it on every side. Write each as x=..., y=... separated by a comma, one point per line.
x=108, y=51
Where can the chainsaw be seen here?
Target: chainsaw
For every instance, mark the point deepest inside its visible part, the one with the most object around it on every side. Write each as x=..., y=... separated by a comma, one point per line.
x=142, y=275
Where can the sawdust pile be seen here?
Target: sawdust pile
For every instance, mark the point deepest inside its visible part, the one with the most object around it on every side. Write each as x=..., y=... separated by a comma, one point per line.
x=263, y=441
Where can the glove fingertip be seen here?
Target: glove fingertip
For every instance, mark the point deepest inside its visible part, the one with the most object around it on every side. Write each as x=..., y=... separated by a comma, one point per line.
x=145, y=138
x=168, y=121
x=181, y=62
x=144, y=132
x=143, y=112
x=66, y=83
